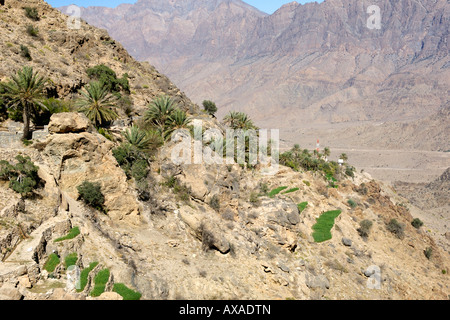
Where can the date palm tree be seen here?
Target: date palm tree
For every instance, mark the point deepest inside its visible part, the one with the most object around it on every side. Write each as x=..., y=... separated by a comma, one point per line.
x=178, y=120
x=97, y=103
x=159, y=112
x=25, y=92
x=239, y=120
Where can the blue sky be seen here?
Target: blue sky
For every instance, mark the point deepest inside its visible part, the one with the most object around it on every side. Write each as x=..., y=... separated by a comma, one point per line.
x=268, y=6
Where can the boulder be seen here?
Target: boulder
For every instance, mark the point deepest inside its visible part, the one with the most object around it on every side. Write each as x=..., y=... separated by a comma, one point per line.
x=110, y=296
x=317, y=282
x=347, y=242
x=68, y=122
x=9, y=292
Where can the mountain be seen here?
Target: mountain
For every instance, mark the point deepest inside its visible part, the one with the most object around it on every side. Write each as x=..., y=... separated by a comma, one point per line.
x=132, y=223
x=64, y=55
x=304, y=66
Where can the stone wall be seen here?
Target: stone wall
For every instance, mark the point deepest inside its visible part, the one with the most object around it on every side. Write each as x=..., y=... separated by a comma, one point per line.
x=11, y=134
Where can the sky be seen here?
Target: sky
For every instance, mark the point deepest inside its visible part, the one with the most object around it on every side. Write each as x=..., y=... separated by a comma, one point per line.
x=268, y=6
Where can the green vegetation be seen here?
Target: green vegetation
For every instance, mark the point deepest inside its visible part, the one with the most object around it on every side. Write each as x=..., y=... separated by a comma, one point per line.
x=417, y=223
x=71, y=260
x=25, y=52
x=322, y=229
x=239, y=120
x=396, y=228
x=133, y=155
x=352, y=203
x=72, y=234
x=142, y=140
x=24, y=92
x=182, y=192
x=302, y=159
x=276, y=191
x=98, y=104
x=364, y=228
x=254, y=198
x=302, y=206
x=291, y=190
x=23, y=176
x=51, y=263
x=307, y=183
x=100, y=281
x=92, y=195
x=428, y=252
x=32, y=31
x=32, y=13
x=84, y=275
x=210, y=107
x=164, y=116
x=41, y=116
x=215, y=202
x=107, y=78
x=125, y=292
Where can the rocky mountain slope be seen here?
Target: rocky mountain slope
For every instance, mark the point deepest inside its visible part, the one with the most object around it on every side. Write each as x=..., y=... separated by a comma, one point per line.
x=304, y=65
x=203, y=231
x=64, y=55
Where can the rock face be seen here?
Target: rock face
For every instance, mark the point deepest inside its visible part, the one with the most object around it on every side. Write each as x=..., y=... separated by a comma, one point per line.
x=75, y=156
x=304, y=65
x=68, y=122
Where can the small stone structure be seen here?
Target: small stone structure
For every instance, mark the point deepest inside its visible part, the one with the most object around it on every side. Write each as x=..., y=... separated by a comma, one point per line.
x=11, y=134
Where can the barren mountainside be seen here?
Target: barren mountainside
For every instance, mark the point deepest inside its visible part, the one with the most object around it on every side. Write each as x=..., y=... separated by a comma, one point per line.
x=303, y=66
x=157, y=229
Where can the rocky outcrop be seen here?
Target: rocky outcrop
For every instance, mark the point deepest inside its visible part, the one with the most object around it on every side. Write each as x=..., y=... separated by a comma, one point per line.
x=69, y=122
x=73, y=157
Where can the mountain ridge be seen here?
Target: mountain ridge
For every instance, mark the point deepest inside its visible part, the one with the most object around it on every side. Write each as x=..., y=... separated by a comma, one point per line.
x=311, y=64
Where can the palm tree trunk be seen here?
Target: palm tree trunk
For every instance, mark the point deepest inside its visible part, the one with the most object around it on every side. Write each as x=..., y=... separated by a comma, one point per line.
x=26, y=122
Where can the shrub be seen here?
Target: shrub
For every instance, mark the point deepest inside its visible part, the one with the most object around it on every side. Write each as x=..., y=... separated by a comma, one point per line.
x=396, y=228
x=23, y=176
x=32, y=31
x=51, y=263
x=107, y=77
x=264, y=188
x=91, y=194
x=25, y=52
x=32, y=13
x=215, y=202
x=254, y=198
x=352, y=203
x=42, y=116
x=100, y=281
x=210, y=107
x=428, y=252
x=125, y=292
x=72, y=234
x=364, y=228
x=350, y=171
x=182, y=192
x=417, y=223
